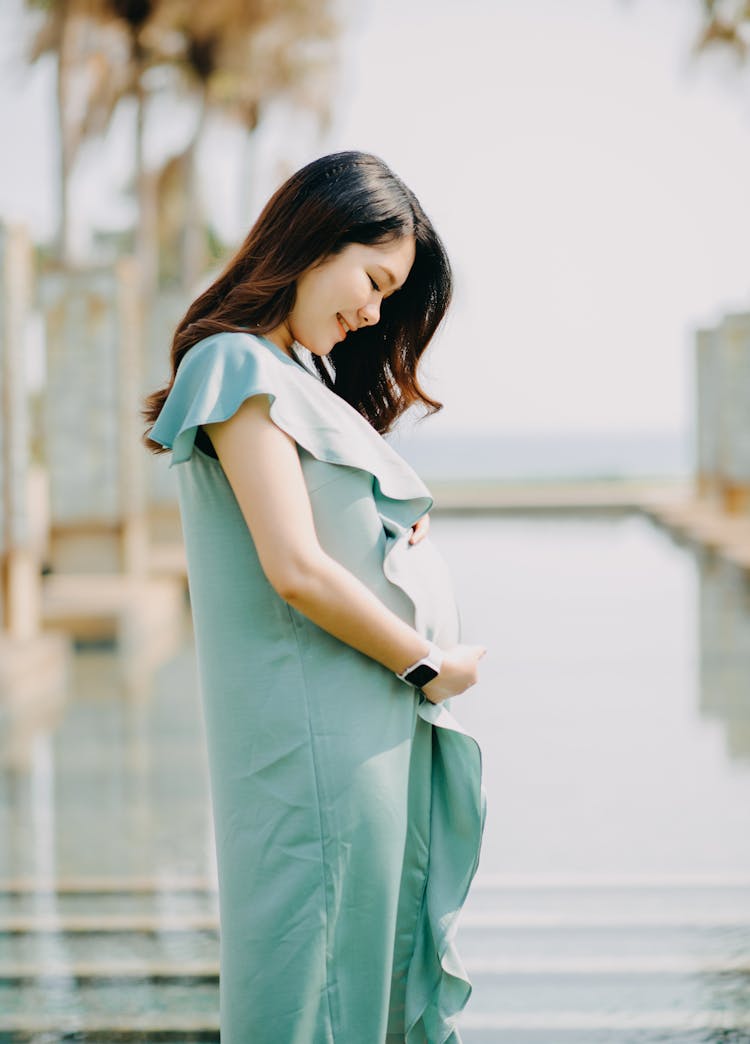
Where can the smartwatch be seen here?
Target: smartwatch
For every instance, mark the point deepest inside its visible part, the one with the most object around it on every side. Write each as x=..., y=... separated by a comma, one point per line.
x=424, y=670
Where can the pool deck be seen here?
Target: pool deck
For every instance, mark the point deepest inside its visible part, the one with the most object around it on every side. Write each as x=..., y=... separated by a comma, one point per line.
x=615, y=495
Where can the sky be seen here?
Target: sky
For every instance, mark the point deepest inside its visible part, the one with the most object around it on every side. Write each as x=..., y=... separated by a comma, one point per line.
x=589, y=181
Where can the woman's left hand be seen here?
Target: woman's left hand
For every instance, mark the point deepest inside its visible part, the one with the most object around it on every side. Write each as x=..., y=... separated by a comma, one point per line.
x=419, y=529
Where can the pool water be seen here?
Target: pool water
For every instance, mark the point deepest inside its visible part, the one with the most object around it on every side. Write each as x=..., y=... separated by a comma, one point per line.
x=612, y=902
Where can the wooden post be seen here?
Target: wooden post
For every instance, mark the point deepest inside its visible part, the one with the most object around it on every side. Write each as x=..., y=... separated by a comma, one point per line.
x=20, y=570
x=166, y=551
x=34, y=665
x=132, y=465
x=169, y=307
x=706, y=412
x=734, y=410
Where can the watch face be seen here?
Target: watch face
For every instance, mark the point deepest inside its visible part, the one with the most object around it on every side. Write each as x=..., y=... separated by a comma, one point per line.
x=421, y=675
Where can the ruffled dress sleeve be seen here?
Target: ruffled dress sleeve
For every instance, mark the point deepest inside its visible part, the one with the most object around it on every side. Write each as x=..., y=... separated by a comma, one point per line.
x=216, y=376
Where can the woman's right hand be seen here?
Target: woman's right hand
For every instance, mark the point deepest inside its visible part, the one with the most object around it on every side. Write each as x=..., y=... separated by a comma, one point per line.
x=457, y=673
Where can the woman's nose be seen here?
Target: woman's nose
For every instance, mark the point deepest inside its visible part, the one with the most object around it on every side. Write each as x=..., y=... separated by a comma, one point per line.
x=371, y=312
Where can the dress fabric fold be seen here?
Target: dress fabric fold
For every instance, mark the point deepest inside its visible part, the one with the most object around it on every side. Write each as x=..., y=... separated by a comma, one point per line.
x=348, y=809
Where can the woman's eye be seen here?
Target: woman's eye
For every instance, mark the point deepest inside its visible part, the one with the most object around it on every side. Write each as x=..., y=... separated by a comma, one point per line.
x=374, y=284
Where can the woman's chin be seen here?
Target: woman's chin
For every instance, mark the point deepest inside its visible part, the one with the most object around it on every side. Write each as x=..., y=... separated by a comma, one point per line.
x=319, y=348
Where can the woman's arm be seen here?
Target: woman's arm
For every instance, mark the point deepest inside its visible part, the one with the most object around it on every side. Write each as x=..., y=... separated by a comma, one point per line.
x=263, y=469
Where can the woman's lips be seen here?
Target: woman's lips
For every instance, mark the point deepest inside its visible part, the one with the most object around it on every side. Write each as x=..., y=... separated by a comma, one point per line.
x=341, y=325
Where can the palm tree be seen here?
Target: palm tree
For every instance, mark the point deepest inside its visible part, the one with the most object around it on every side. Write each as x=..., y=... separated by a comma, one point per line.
x=231, y=55
x=101, y=60
x=726, y=25
x=91, y=80
x=237, y=56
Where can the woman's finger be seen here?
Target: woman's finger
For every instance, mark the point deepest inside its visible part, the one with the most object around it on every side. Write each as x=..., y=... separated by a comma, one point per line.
x=419, y=529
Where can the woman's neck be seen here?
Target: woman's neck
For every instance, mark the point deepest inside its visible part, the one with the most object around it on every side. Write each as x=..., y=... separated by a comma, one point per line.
x=282, y=338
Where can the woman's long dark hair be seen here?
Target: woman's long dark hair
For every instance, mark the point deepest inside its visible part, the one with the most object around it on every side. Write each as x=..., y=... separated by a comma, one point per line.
x=347, y=197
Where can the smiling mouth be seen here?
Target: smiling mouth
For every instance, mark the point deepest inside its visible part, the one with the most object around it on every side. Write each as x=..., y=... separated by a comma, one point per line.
x=344, y=326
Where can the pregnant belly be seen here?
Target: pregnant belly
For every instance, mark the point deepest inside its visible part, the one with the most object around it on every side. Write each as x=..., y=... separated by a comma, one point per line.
x=370, y=537
x=421, y=572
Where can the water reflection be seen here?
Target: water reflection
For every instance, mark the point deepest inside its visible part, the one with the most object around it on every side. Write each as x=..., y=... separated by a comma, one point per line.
x=119, y=787
x=724, y=644
x=597, y=756
x=613, y=902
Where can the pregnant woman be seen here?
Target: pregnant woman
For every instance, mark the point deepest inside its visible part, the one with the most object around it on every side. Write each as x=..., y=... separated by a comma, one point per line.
x=348, y=804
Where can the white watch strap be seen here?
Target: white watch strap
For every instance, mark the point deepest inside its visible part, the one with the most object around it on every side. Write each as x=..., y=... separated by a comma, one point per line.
x=433, y=658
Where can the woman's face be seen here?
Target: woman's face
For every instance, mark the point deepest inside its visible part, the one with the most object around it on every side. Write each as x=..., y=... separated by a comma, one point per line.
x=344, y=292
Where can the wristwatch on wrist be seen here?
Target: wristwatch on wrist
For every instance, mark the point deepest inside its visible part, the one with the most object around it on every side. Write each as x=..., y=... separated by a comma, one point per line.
x=424, y=670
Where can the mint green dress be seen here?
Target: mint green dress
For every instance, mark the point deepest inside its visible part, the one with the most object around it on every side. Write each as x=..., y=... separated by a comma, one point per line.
x=348, y=809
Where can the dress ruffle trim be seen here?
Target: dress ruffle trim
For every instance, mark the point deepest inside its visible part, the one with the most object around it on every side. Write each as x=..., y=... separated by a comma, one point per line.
x=213, y=379
x=438, y=986
x=220, y=372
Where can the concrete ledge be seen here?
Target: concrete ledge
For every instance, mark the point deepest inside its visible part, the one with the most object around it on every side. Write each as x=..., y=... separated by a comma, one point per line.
x=707, y=524
x=619, y=495
x=116, y=969
x=17, y=924
x=106, y=885
x=111, y=1027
